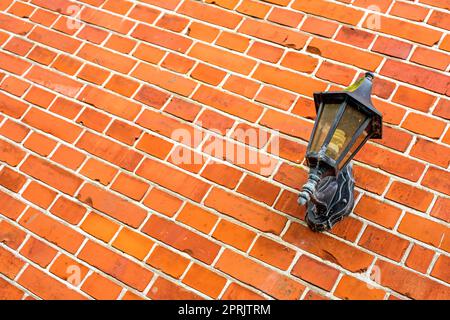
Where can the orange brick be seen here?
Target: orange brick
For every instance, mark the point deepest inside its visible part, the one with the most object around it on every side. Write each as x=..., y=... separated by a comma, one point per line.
x=424, y=230
x=38, y=252
x=10, y=235
x=101, y=288
x=168, y=261
x=330, y=10
x=234, y=235
x=204, y=280
x=441, y=268
x=130, y=186
x=163, y=202
x=197, y=218
x=133, y=243
x=369, y=207
x=12, y=180
x=419, y=258
x=99, y=226
x=39, y=195
x=210, y=14
x=98, y=171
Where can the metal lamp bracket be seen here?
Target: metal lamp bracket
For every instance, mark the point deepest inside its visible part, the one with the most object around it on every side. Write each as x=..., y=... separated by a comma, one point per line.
x=329, y=198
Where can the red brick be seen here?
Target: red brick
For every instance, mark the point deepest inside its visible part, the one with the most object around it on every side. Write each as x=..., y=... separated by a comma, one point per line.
x=237, y=292
x=233, y=41
x=98, y=171
x=182, y=239
x=111, y=103
x=197, y=218
x=52, y=125
x=47, y=287
x=116, y=265
x=343, y=53
x=162, y=38
x=390, y=162
x=258, y=189
x=109, y=151
x=39, y=195
x=315, y=272
x=54, y=39
x=369, y=208
x=173, y=179
x=415, y=75
x=272, y=253
x=437, y=179
x=12, y=180
x=277, y=285
x=130, y=186
x=419, y=258
x=405, y=282
x=413, y=98
x=441, y=269
x=163, y=202
x=234, y=235
x=164, y=79
x=273, y=33
x=245, y=211
x=106, y=20
x=68, y=210
x=441, y=209
x=425, y=230
x=52, y=230
x=431, y=152
x=320, y=27
x=288, y=80
x=383, y=243
x=228, y=103
x=164, y=289
x=209, y=14
x=9, y=292
x=10, y=235
x=329, y=10
x=354, y=289
x=12, y=107
x=328, y=248
x=410, y=196
x=106, y=58
x=38, y=252
x=112, y=205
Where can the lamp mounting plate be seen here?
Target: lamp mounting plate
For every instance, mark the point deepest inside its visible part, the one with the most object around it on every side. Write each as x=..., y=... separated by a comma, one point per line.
x=332, y=200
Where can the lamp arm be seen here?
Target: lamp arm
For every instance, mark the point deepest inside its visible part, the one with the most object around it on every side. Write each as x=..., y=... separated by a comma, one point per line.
x=309, y=188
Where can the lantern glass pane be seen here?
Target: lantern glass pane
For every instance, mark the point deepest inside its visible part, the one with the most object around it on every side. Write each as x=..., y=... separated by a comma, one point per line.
x=349, y=124
x=360, y=140
x=324, y=124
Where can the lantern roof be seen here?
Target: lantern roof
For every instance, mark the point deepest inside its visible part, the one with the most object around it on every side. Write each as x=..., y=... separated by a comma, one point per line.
x=360, y=94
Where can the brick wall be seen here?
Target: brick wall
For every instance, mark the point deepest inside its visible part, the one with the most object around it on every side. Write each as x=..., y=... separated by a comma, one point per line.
x=93, y=205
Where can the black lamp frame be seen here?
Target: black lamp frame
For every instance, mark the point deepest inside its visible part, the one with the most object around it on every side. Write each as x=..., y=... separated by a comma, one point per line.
x=330, y=187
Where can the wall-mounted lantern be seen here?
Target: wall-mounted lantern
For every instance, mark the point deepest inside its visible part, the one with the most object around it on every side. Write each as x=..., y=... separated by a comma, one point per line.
x=345, y=121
